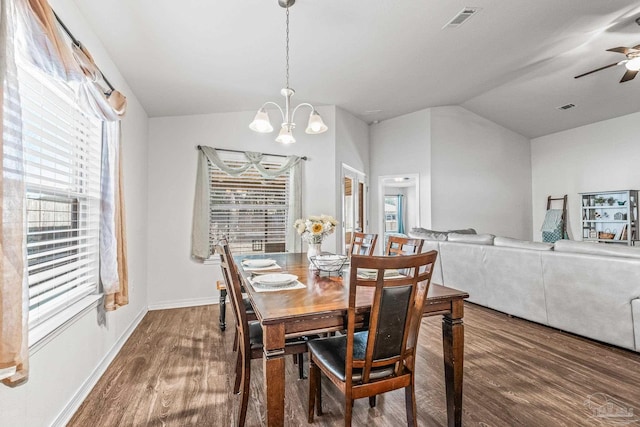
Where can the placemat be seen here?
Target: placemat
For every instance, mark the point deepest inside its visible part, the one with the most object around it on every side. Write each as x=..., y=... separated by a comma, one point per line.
x=294, y=285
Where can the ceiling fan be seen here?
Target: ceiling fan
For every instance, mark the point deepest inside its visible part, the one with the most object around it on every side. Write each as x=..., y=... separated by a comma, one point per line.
x=632, y=63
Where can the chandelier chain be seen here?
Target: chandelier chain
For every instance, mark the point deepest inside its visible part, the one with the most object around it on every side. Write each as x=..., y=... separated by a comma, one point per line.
x=287, y=46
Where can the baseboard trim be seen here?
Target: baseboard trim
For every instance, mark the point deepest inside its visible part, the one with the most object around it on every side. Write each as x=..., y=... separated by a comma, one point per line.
x=65, y=415
x=194, y=302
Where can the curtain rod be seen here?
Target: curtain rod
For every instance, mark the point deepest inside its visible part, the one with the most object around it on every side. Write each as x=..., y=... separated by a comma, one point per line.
x=199, y=147
x=77, y=43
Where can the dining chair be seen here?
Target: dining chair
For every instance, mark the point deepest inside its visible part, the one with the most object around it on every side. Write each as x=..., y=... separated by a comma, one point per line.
x=251, y=315
x=397, y=245
x=250, y=334
x=363, y=243
x=382, y=357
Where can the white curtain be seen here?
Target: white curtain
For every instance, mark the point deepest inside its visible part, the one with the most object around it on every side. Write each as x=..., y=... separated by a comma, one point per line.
x=200, y=227
x=294, y=241
x=42, y=42
x=14, y=301
x=114, y=274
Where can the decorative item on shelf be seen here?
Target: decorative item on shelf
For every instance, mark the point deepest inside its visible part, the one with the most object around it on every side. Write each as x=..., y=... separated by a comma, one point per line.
x=618, y=216
x=611, y=201
x=606, y=234
x=329, y=263
x=599, y=200
x=593, y=234
x=313, y=230
x=621, y=202
x=597, y=215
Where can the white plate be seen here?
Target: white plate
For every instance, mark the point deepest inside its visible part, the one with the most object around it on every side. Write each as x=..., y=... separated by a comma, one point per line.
x=258, y=263
x=275, y=279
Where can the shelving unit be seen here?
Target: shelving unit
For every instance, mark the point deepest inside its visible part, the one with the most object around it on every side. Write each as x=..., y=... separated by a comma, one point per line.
x=610, y=216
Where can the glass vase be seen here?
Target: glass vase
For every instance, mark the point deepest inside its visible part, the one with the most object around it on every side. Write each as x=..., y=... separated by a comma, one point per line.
x=314, y=249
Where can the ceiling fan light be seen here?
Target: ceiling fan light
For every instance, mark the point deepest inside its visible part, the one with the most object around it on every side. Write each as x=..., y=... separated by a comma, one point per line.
x=633, y=64
x=285, y=136
x=261, y=122
x=316, y=125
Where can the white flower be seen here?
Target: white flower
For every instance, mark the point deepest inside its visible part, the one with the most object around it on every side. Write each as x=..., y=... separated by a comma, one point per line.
x=315, y=228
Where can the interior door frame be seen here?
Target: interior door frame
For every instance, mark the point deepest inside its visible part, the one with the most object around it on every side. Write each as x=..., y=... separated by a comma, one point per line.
x=358, y=177
x=381, y=186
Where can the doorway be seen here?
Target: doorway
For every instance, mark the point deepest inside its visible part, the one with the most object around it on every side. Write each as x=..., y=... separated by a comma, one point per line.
x=399, y=206
x=353, y=205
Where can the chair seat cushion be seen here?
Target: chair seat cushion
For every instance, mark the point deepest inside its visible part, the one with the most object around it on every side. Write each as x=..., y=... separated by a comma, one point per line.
x=247, y=305
x=255, y=334
x=331, y=353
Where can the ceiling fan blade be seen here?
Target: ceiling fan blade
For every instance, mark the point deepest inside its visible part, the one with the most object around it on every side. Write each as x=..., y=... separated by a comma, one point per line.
x=621, y=49
x=629, y=75
x=597, y=69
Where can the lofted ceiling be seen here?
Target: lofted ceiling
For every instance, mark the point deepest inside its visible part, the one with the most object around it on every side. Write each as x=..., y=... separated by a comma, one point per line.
x=513, y=62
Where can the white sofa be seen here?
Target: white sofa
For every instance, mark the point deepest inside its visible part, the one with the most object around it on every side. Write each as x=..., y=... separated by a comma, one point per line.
x=588, y=289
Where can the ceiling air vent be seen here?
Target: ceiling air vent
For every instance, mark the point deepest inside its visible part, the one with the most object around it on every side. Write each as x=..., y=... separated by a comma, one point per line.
x=566, y=107
x=462, y=17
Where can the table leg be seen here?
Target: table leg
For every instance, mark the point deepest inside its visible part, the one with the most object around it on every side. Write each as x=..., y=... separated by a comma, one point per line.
x=273, y=340
x=223, y=309
x=453, y=346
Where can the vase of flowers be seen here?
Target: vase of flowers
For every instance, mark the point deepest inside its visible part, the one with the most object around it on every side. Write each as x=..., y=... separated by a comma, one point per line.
x=313, y=230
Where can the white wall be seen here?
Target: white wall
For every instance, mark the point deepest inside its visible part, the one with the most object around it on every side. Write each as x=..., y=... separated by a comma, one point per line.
x=352, y=149
x=401, y=146
x=174, y=278
x=63, y=368
x=597, y=157
x=480, y=175
x=473, y=172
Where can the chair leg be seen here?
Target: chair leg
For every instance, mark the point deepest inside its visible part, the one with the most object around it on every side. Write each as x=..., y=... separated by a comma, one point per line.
x=236, y=387
x=314, y=372
x=410, y=401
x=348, y=409
x=318, y=392
x=300, y=359
x=372, y=401
x=235, y=340
x=244, y=400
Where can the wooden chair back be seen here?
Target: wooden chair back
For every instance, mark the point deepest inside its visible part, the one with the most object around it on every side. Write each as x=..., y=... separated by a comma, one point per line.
x=396, y=313
x=363, y=244
x=397, y=245
x=234, y=288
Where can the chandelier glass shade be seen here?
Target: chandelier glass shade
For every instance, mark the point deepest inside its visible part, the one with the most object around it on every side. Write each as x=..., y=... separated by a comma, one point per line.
x=262, y=124
x=633, y=64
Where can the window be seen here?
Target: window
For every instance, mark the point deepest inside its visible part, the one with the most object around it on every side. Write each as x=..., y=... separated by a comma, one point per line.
x=249, y=210
x=62, y=149
x=391, y=214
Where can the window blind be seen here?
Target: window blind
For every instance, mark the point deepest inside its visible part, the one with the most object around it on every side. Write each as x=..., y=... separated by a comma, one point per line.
x=250, y=211
x=62, y=149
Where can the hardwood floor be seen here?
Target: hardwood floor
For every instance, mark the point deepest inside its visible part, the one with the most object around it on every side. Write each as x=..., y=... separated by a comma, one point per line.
x=177, y=370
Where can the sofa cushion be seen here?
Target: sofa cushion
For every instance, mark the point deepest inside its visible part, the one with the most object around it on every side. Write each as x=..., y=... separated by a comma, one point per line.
x=514, y=282
x=508, y=242
x=477, y=239
x=423, y=233
x=592, y=248
x=464, y=231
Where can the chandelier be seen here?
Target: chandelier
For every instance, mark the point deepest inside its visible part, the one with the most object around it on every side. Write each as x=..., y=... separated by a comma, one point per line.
x=261, y=122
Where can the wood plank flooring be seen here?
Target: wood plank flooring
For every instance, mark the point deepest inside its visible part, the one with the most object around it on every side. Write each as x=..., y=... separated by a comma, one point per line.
x=177, y=370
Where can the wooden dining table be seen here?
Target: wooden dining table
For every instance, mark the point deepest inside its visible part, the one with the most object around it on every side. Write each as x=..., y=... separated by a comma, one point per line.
x=321, y=306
